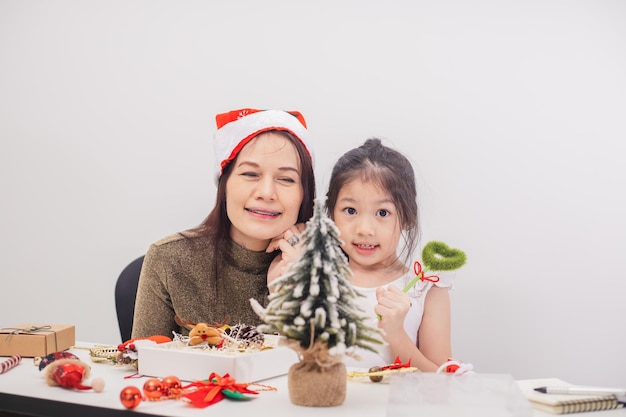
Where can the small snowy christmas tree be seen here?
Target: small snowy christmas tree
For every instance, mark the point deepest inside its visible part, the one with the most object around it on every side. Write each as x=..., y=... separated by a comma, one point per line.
x=314, y=301
x=315, y=307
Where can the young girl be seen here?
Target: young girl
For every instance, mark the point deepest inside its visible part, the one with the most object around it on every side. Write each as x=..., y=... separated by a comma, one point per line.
x=265, y=188
x=372, y=199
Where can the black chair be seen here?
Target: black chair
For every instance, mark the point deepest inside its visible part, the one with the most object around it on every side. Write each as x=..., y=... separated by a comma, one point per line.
x=125, y=293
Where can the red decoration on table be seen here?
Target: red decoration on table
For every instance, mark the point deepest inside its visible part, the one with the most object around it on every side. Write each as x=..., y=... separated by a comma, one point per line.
x=215, y=389
x=54, y=356
x=10, y=363
x=127, y=351
x=199, y=393
x=152, y=389
x=455, y=367
x=69, y=375
x=397, y=364
x=130, y=397
x=170, y=388
x=130, y=345
x=64, y=369
x=171, y=385
x=452, y=368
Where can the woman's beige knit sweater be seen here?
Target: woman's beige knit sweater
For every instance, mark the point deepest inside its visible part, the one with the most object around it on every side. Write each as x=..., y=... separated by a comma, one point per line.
x=180, y=276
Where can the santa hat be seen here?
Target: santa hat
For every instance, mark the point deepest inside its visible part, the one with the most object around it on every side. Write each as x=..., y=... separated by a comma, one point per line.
x=70, y=373
x=238, y=127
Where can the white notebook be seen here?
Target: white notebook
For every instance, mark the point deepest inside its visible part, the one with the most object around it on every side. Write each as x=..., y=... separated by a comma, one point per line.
x=564, y=403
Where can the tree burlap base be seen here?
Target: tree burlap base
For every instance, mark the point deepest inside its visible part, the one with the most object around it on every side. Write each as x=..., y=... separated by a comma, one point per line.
x=318, y=380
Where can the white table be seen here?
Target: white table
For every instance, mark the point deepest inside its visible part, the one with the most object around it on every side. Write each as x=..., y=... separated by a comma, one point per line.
x=23, y=390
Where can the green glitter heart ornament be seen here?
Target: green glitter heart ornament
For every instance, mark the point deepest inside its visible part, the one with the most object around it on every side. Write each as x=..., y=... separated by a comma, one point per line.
x=437, y=256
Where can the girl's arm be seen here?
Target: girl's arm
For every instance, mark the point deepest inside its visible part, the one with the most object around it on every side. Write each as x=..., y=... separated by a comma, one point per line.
x=434, y=332
x=433, y=335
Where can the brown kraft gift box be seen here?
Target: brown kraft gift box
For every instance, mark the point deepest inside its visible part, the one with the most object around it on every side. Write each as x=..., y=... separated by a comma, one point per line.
x=36, y=339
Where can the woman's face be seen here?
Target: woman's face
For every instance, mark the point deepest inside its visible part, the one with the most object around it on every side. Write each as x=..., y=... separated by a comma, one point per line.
x=264, y=190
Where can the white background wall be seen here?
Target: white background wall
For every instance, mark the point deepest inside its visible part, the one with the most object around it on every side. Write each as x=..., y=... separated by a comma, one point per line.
x=513, y=113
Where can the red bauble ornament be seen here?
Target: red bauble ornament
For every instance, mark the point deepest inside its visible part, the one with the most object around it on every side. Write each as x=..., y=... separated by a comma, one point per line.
x=70, y=375
x=153, y=389
x=130, y=397
x=171, y=385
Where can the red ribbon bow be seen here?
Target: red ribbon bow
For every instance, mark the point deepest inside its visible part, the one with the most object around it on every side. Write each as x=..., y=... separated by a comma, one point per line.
x=215, y=389
x=417, y=268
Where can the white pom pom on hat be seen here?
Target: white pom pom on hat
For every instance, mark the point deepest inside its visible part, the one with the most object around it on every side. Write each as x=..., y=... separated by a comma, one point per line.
x=237, y=127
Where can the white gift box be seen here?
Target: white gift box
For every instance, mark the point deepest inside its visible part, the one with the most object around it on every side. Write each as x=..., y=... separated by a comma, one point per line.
x=161, y=360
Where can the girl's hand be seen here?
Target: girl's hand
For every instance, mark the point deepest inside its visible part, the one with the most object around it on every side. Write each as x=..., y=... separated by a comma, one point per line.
x=392, y=307
x=290, y=248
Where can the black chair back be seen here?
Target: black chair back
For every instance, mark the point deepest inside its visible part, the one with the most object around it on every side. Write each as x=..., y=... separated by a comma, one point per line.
x=125, y=293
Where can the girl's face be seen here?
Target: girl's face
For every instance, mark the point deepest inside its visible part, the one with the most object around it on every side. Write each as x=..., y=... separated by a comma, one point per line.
x=369, y=225
x=264, y=190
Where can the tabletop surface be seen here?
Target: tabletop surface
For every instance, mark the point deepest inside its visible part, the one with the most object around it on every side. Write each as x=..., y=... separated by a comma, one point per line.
x=24, y=389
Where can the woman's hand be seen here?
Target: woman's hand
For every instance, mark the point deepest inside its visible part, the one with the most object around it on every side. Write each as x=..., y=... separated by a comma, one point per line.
x=290, y=249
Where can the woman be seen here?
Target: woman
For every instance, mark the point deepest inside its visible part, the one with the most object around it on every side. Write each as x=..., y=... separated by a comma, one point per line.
x=265, y=192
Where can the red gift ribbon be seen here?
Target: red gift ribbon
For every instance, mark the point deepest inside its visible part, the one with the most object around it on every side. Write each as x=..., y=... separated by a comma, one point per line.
x=212, y=390
x=417, y=268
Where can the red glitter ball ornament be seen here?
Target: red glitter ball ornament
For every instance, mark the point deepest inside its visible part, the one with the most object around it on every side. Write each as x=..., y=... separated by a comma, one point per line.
x=130, y=397
x=171, y=385
x=153, y=389
x=70, y=375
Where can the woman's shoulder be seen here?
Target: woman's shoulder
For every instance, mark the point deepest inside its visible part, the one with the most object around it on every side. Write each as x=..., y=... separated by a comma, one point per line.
x=182, y=241
x=174, y=237
x=179, y=249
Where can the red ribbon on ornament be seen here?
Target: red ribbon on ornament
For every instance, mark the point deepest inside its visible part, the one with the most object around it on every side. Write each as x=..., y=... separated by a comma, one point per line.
x=215, y=389
x=417, y=268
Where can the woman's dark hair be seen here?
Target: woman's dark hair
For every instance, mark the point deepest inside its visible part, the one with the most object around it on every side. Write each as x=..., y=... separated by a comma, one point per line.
x=392, y=172
x=217, y=224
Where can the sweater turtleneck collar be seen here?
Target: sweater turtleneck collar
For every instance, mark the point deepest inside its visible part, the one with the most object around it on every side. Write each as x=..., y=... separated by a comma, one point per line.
x=247, y=260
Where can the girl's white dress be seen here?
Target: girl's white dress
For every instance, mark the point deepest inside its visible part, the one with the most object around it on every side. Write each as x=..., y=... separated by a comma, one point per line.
x=412, y=321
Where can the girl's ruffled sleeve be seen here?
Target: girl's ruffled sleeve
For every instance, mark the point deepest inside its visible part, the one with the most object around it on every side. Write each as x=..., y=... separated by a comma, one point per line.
x=446, y=279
